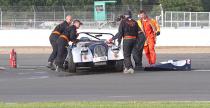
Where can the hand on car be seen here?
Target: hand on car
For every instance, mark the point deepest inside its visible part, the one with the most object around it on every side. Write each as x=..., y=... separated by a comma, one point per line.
x=109, y=41
x=158, y=33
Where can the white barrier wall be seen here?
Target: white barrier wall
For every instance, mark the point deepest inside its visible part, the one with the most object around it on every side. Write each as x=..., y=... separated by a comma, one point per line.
x=168, y=37
x=184, y=37
x=24, y=37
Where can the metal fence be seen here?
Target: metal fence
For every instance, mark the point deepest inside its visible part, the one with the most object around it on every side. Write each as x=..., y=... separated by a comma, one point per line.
x=39, y=17
x=31, y=17
x=187, y=19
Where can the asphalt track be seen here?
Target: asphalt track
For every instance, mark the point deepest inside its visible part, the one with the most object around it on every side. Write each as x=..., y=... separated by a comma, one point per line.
x=33, y=82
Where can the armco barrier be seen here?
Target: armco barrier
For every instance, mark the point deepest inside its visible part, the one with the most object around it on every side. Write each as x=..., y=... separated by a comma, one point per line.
x=168, y=37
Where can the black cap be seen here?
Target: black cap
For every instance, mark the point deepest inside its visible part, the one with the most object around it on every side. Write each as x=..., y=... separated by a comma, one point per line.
x=142, y=11
x=128, y=14
x=78, y=22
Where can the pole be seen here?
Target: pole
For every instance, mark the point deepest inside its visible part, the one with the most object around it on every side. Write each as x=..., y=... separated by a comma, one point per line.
x=64, y=13
x=190, y=20
x=209, y=19
x=141, y=4
x=162, y=15
x=34, y=17
x=184, y=19
x=54, y=8
x=171, y=19
x=1, y=17
x=196, y=18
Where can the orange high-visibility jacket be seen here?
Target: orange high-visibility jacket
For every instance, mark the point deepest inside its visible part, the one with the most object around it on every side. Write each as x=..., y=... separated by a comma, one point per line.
x=153, y=23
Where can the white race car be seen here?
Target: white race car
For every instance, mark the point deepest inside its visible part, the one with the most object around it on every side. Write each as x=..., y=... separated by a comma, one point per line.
x=93, y=51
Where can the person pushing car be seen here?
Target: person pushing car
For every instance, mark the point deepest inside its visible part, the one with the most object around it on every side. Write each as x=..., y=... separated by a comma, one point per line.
x=58, y=30
x=70, y=34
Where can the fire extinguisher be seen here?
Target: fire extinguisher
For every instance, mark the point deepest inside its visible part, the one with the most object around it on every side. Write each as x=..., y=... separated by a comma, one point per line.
x=13, y=59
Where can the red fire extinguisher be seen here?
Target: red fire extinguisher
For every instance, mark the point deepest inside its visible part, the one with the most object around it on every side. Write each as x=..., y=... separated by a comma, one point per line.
x=13, y=59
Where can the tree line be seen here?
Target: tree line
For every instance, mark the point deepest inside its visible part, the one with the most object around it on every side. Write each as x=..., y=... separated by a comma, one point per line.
x=168, y=5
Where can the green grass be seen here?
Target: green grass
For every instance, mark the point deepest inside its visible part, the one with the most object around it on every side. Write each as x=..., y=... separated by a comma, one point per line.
x=134, y=104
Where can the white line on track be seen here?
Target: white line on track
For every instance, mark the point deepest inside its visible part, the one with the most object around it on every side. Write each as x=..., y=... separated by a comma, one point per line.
x=2, y=68
x=41, y=77
x=201, y=70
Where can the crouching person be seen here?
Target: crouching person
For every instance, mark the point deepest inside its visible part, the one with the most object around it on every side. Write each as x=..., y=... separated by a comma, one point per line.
x=70, y=34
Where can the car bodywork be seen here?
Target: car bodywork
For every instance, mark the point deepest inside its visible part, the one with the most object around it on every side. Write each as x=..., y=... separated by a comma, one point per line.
x=92, y=51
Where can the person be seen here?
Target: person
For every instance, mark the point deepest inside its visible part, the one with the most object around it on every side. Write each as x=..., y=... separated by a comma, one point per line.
x=128, y=30
x=70, y=34
x=58, y=30
x=138, y=50
x=151, y=29
x=139, y=45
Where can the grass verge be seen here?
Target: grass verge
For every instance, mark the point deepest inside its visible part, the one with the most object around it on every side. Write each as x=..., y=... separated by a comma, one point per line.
x=133, y=104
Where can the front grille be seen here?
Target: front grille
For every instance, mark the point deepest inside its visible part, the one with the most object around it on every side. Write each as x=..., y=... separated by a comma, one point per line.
x=99, y=51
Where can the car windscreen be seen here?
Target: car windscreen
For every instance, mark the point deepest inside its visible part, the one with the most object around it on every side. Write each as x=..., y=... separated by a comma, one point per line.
x=95, y=37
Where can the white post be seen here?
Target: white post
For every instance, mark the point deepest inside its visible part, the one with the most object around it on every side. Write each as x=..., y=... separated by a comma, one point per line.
x=165, y=19
x=196, y=16
x=209, y=19
x=54, y=14
x=184, y=19
x=1, y=18
x=64, y=13
x=34, y=17
x=177, y=23
x=162, y=15
x=162, y=20
x=171, y=19
x=141, y=4
x=190, y=20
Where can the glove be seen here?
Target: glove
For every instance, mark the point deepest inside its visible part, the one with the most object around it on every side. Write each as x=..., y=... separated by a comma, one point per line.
x=158, y=33
x=77, y=34
x=109, y=40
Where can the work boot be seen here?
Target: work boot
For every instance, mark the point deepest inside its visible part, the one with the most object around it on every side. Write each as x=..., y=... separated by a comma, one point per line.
x=53, y=67
x=125, y=71
x=49, y=65
x=131, y=71
x=58, y=69
x=65, y=65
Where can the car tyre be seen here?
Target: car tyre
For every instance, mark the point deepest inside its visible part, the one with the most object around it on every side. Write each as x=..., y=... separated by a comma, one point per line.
x=71, y=64
x=119, y=66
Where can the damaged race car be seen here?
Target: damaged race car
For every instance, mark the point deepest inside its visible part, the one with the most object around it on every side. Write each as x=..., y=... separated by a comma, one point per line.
x=92, y=51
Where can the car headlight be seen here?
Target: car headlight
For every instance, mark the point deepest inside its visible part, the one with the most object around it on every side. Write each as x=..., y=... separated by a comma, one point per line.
x=84, y=51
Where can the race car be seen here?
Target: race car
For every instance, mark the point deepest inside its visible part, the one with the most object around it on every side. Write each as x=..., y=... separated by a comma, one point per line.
x=171, y=65
x=92, y=50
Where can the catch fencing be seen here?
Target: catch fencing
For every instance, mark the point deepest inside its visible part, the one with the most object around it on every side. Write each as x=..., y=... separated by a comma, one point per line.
x=39, y=17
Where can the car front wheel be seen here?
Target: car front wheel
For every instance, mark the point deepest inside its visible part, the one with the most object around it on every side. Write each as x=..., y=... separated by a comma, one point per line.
x=71, y=64
x=119, y=66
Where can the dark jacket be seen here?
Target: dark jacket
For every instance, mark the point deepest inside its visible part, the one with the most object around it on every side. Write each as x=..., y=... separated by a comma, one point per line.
x=128, y=27
x=71, y=33
x=61, y=27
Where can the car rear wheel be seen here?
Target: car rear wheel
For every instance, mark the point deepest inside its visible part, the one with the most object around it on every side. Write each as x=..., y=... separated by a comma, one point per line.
x=119, y=66
x=71, y=64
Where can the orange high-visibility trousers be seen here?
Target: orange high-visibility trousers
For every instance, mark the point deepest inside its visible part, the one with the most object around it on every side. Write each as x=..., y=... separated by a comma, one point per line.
x=149, y=49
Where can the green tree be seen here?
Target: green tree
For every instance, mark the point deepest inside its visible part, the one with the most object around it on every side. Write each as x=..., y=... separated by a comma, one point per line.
x=182, y=5
x=206, y=5
x=168, y=5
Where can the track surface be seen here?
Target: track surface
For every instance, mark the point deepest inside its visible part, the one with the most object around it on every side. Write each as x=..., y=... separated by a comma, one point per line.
x=32, y=82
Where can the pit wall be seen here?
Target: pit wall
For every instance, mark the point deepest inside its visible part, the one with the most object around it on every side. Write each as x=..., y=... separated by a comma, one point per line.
x=168, y=37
